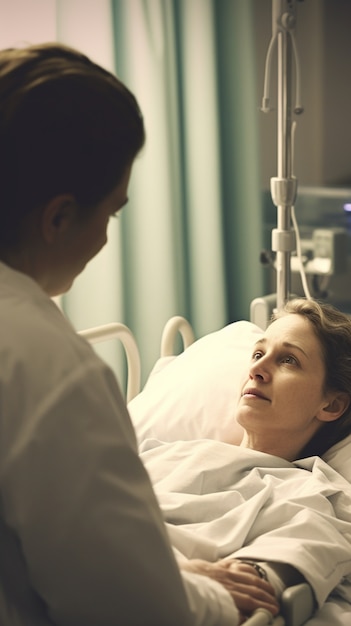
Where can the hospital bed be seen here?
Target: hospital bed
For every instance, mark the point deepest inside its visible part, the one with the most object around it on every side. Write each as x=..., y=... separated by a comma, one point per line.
x=168, y=407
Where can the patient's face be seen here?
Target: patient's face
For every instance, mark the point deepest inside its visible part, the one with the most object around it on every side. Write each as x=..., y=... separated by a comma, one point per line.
x=283, y=395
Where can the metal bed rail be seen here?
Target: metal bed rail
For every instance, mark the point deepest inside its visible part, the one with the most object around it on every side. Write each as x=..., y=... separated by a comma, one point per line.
x=117, y=330
x=175, y=325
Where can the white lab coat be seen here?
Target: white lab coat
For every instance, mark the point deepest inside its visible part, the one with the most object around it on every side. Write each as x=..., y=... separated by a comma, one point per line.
x=82, y=539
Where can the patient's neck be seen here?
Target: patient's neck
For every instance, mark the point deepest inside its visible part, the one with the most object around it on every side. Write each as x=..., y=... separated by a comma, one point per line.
x=283, y=448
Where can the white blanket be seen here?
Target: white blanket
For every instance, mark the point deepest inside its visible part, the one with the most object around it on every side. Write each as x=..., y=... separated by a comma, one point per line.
x=220, y=500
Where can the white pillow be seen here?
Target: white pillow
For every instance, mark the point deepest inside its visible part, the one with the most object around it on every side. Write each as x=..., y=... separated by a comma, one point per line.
x=194, y=395
x=339, y=457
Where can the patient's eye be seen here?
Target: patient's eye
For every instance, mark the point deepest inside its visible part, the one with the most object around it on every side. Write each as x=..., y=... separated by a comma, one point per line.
x=290, y=360
x=256, y=355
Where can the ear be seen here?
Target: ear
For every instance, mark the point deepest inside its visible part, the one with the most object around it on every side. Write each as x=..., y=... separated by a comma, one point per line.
x=338, y=403
x=57, y=216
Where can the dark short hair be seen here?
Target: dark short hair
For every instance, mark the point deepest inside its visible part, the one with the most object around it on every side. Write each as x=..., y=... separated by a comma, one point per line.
x=66, y=126
x=333, y=330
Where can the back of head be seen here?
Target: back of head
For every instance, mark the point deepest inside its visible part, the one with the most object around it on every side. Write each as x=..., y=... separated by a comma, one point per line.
x=333, y=330
x=66, y=126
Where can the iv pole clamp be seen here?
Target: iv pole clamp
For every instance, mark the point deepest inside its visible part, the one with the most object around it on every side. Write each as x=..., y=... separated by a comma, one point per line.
x=284, y=185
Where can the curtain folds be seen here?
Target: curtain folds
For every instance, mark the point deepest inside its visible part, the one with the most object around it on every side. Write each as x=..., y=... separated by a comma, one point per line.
x=97, y=294
x=193, y=230
x=239, y=116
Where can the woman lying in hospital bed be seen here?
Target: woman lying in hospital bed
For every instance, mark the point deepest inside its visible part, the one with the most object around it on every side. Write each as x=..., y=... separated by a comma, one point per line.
x=272, y=500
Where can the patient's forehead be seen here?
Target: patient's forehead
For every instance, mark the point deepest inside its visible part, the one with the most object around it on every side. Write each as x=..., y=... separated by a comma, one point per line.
x=295, y=330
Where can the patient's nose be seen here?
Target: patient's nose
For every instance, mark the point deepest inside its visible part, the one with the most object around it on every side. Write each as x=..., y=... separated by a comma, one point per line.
x=259, y=370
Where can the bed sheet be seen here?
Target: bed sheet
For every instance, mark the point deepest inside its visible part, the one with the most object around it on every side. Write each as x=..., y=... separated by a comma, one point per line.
x=335, y=612
x=221, y=500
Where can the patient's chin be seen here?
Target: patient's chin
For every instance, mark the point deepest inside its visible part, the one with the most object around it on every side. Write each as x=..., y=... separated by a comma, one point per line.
x=233, y=434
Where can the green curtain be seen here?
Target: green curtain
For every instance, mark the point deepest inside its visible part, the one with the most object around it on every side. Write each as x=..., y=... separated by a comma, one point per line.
x=240, y=151
x=96, y=297
x=193, y=231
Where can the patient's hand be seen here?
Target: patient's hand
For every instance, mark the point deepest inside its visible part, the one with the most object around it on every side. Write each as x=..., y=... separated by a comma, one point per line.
x=247, y=589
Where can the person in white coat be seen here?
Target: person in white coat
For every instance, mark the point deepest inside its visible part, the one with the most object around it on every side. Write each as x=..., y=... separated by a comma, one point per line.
x=82, y=538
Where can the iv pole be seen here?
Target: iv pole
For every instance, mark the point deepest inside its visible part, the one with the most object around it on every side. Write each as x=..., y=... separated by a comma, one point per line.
x=284, y=185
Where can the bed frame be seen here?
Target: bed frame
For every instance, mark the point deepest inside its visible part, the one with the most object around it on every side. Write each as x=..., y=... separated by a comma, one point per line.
x=116, y=330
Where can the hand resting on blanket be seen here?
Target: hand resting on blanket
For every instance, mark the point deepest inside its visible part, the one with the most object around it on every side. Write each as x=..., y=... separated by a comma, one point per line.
x=248, y=590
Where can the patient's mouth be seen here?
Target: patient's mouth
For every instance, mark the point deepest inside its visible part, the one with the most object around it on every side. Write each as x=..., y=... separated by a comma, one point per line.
x=254, y=393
